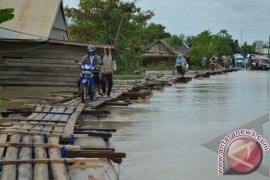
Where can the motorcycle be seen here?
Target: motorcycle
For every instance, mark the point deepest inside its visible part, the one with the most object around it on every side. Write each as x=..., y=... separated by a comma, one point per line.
x=87, y=85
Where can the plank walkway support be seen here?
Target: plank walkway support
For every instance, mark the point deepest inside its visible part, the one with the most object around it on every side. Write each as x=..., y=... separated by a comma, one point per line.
x=9, y=171
x=41, y=171
x=59, y=171
x=25, y=171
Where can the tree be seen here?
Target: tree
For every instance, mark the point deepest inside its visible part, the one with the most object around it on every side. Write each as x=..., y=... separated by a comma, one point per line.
x=202, y=46
x=175, y=41
x=115, y=22
x=207, y=44
x=6, y=14
x=247, y=49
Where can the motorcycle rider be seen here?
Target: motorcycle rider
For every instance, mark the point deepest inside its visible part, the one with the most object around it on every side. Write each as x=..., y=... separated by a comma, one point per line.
x=92, y=59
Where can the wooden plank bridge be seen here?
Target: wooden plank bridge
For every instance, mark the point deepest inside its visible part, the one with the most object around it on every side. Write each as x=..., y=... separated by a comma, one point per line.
x=45, y=142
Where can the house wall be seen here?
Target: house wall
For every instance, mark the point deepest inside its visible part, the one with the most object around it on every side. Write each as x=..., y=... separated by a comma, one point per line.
x=39, y=63
x=159, y=48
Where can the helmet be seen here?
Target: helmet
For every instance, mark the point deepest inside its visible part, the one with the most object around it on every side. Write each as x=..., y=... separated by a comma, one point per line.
x=91, y=48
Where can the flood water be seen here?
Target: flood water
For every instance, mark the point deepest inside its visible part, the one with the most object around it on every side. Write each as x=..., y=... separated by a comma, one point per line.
x=163, y=137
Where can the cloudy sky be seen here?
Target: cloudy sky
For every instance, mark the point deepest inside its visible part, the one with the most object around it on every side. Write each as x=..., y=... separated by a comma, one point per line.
x=245, y=20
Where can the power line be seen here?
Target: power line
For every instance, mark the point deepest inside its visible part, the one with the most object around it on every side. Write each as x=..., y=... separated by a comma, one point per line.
x=213, y=21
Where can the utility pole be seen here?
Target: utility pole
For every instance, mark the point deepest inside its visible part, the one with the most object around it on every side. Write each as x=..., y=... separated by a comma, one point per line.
x=119, y=27
x=241, y=41
x=268, y=46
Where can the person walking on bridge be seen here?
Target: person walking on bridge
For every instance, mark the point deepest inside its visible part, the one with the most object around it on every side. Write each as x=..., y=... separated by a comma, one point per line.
x=180, y=64
x=108, y=67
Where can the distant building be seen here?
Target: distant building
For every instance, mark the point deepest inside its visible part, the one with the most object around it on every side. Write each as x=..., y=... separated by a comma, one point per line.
x=184, y=48
x=159, y=51
x=265, y=51
x=258, y=47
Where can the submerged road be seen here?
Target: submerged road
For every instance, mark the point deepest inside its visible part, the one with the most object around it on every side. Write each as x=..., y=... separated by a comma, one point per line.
x=163, y=138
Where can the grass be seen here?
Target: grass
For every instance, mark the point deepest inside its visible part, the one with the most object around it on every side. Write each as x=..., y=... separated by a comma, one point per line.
x=3, y=100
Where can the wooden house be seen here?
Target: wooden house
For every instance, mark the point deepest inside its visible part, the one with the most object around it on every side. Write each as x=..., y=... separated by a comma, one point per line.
x=184, y=48
x=160, y=52
x=34, y=46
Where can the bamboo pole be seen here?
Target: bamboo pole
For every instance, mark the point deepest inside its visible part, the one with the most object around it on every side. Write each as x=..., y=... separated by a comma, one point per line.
x=25, y=171
x=53, y=161
x=9, y=171
x=42, y=145
x=59, y=171
x=12, y=132
x=41, y=171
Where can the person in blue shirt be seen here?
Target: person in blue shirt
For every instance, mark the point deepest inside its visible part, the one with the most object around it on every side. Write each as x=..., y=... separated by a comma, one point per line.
x=180, y=64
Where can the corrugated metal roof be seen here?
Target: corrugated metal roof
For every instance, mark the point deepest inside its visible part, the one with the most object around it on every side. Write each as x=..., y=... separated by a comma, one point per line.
x=34, y=19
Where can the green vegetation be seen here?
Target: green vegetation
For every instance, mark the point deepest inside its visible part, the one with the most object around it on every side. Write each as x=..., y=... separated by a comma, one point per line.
x=123, y=24
x=6, y=14
x=2, y=100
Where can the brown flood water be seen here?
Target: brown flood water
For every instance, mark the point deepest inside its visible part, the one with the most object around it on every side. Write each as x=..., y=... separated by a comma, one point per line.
x=163, y=137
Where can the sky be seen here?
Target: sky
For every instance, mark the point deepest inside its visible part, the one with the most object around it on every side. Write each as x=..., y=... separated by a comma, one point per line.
x=246, y=20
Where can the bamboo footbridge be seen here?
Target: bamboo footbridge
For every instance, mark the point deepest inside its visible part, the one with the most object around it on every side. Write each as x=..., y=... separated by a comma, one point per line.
x=45, y=141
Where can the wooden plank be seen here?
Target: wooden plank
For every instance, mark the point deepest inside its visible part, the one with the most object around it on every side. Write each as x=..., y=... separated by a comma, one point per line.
x=11, y=154
x=95, y=154
x=71, y=101
x=59, y=171
x=38, y=83
x=25, y=171
x=39, y=70
x=37, y=73
x=39, y=78
x=38, y=127
x=39, y=61
x=30, y=120
x=75, y=103
x=72, y=120
x=42, y=123
x=41, y=171
x=57, y=117
x=43, y=65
